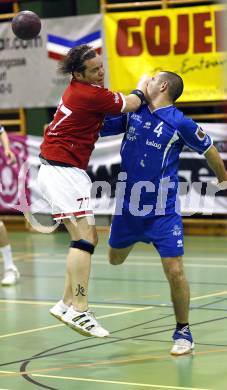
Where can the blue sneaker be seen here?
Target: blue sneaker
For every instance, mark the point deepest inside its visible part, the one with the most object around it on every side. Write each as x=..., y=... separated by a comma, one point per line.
x=183, y=341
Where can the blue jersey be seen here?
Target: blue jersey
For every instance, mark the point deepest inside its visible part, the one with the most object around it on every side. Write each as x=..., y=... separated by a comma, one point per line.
x=150, y=153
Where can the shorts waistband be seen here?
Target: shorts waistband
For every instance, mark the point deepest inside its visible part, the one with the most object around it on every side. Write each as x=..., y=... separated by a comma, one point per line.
x=55, y=163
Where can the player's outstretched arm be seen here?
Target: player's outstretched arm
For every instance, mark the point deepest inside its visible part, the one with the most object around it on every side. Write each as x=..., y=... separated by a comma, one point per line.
x=216, y=164
x=136, y=97
x=8, y=152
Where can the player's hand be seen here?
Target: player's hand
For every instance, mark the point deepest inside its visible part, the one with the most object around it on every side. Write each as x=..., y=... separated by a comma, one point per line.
x=142, y=84
x=11, y=158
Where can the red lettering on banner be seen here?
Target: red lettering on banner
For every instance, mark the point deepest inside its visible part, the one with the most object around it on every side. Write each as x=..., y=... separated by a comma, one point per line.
x=122, y=41
x=159, y=32
x=182, y=43
x=160, y=26
x=201, y=32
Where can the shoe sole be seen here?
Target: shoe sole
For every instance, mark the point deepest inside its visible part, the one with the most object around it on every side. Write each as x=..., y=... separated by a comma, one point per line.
x=17, y=276
x=9, y=284
x=57, y=316
x=83, y=332
x=191, y=350
x=78, y=330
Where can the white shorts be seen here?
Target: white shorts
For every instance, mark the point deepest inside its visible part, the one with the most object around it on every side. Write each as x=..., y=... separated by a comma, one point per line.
x=67, y=190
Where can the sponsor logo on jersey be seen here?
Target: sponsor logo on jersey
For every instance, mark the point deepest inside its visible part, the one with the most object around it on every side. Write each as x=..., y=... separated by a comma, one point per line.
x=147, y=125
x=176, y=230
x=179, y=243
x=136, y=117
x=154, y=144
x=131, y=135
x=51, y=133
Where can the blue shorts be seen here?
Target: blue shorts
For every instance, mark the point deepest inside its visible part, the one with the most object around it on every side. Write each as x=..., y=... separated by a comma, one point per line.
x=164, y=232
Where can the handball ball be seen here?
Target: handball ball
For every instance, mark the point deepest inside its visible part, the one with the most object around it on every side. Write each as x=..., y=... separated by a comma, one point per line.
x=26, y=25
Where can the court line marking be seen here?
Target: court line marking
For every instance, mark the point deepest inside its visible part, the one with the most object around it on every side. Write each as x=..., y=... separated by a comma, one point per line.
x=209, y=295
x=96, y=255
x=60, y=325
x=112, y=362
x=131, y=310
x=104, y=381
x=118, y=382
x=47, y=303
x=147, y=264
x=35, y=256
x=104, y=306
x=30, y=331
x=159, y=264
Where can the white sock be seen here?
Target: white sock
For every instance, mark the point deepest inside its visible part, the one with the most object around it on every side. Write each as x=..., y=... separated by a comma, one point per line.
x=7, y=257
x=63, y=305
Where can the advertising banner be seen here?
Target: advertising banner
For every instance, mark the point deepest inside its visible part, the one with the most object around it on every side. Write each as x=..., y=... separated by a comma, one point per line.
x=185, y=40
x=29, y=69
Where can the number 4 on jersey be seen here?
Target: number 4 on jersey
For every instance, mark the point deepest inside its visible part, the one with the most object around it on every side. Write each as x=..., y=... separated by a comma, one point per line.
x=158, y=129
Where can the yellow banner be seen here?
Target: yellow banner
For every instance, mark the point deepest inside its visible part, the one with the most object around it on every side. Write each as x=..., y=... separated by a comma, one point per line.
x=189, y=41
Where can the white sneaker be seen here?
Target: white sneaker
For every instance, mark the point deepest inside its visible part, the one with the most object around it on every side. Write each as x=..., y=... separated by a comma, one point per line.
x=11, y=277
x=183, y=341
x=84, y=323
x=59, y=309
x=182, y=347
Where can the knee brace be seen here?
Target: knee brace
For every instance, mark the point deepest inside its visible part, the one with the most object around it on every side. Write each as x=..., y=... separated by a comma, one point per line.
x=83, y=245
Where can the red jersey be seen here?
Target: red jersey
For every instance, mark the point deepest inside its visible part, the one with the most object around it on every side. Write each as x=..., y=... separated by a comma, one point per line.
x=71, y=136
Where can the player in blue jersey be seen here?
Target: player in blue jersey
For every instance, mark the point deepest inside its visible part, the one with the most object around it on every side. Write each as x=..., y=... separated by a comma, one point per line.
x=147, y=207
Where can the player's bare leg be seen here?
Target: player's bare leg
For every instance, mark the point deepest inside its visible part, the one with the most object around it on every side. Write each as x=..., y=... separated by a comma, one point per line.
x=180, y=295
x=83, y=241
x=68, y=294
x=3, y=236
x=118, y=256
x=79, y=262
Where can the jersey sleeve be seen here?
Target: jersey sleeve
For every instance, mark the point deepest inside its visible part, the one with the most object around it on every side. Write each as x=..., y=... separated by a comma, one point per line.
x=107, y=102
x=113, y=125
x=194, y=136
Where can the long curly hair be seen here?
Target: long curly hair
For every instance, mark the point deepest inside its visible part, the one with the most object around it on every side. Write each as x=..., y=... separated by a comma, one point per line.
x=75, y=58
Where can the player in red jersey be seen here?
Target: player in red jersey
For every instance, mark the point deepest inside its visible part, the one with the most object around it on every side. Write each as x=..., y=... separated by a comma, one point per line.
x=65, y=152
